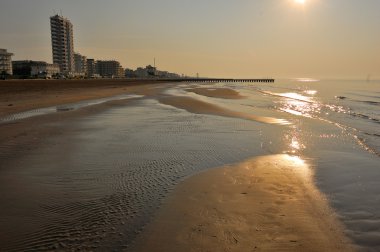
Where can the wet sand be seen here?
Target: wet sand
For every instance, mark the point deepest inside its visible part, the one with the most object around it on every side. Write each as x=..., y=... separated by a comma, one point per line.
x=268, y=203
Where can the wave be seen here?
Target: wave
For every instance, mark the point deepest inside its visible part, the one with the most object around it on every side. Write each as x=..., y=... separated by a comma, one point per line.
x=365, y=95
x=368, y=102
x=363, y=116
x=371, y=102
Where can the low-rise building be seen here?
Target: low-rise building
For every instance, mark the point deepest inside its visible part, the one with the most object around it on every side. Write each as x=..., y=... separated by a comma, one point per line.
x=80, y=64
x=167, y=75
x=130, y=73
x=146, y=72
x=109, y=69
x=91, y=68
x=34, y=69
x=5, y=62
x=141, y=72
x=150, y=72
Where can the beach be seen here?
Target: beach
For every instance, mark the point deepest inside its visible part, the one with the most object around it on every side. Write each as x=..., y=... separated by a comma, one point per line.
x=155, y=166
x=267, y=203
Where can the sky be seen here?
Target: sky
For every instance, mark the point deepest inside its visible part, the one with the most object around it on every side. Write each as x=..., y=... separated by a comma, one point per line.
x=215, y=38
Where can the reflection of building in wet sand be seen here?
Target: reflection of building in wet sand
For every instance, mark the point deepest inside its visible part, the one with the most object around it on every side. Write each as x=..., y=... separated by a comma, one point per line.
x=5, y=62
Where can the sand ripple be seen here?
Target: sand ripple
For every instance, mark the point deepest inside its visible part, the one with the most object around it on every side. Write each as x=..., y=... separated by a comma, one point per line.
x=96, y=187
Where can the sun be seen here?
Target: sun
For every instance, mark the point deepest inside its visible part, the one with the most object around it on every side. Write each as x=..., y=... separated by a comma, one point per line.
x=300, y=1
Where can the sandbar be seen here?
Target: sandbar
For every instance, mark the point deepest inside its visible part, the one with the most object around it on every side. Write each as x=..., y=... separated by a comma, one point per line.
x=201, y=107
x=267, y=203
x=225, y=93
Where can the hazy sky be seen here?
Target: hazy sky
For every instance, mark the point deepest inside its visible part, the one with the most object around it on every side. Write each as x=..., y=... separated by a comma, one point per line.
x=217, y=38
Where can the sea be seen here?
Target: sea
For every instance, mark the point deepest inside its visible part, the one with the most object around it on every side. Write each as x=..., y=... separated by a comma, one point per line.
x=347, y=164
x=335, y=124
x=93, y=182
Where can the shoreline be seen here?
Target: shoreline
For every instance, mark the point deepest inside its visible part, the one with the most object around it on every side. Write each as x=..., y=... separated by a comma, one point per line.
x=267, y=203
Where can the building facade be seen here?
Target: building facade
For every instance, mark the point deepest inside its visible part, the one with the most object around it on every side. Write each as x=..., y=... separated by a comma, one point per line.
x=149, y=72
x=141, y=72
x=5, y=62
x=62, y=39
x=91, y=68
x=80, y=64
x=130, y=73
x=34, y=69
x=109, y=69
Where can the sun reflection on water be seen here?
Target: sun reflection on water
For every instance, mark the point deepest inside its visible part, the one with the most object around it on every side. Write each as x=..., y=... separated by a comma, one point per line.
x=295, y=145
x=311, y=92
x=295, y=96
x=294, y=142
x=300, y=105
x=307, y=80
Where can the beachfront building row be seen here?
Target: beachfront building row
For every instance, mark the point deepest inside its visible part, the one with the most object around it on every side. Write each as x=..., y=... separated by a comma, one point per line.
x=149, y=72
x=91, y=68
x=83, y=68
x=5, y=62
x=34, y=69
x=74, y=64
x=166, y=74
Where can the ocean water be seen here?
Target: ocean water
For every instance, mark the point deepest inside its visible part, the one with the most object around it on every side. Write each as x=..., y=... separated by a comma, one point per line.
x=93, y=182
x=353, y=106
x=336, y=127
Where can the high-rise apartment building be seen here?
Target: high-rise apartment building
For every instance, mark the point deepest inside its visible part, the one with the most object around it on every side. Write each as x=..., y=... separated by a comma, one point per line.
x=5, y=62
x=62, y=41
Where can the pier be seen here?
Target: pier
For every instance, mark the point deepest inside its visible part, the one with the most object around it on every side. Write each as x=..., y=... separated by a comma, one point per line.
x=214, y=80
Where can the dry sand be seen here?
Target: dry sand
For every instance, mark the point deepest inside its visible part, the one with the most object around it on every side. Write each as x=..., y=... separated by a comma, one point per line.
x=22, y=95
x=267, y=203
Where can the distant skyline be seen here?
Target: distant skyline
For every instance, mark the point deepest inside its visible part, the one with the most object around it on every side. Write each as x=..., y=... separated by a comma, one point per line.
x=216, y=38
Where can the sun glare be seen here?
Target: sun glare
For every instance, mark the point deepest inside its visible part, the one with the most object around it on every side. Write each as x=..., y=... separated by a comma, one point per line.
x=300, y=1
